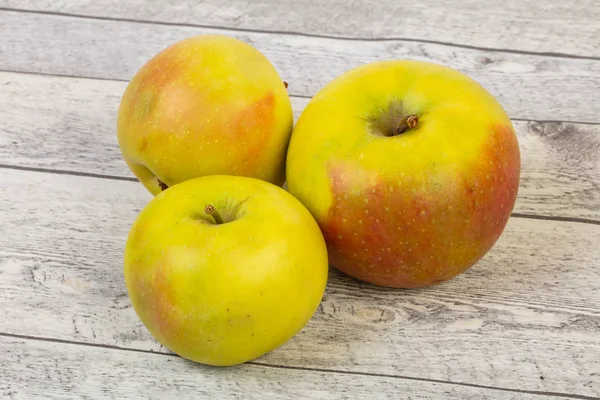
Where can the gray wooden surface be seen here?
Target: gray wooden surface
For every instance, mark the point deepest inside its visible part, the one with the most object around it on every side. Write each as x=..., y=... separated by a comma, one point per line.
x=524, y=323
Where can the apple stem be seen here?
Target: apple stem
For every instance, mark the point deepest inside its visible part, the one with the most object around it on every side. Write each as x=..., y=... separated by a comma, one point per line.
x=285, y=84
x=211, y=210
x=162, y=185
x=408, y=122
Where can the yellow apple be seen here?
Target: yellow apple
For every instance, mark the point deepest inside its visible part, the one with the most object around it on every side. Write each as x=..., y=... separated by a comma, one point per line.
x=223, y=269
x=411, y=170
x=206, y=105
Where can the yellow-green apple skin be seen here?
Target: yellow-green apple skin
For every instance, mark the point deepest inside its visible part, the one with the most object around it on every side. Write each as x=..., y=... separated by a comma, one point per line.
x=223, y=294
x=406, y=209
x=206, y=105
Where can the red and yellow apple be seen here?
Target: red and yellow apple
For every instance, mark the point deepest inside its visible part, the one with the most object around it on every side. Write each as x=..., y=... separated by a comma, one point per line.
x=223, y=269
x=206, y=105
x=411, y=170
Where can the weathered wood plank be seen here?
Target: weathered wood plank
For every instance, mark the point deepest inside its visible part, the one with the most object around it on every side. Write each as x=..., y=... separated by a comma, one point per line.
x=529, y=87
x=47, y=370
x=75, y=131
x=526, y=317
x=549, y=26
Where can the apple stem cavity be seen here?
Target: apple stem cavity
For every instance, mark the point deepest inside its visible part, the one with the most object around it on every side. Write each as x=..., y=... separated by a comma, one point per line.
x=408, y=122
x=211, y=210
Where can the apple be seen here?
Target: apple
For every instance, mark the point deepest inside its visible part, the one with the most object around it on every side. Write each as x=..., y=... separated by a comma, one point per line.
x=223, y=269
x=206, y=105
x=410, y=168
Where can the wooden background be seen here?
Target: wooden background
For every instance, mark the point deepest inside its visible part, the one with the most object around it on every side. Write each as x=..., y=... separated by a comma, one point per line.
x=524, y=323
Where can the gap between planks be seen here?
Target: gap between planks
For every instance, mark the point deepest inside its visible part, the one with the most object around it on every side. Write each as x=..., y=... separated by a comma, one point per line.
x=133, y=179
x=95, y=78
x=303, y=34
x=515, y=80
x=324, y=370
x=134, y=196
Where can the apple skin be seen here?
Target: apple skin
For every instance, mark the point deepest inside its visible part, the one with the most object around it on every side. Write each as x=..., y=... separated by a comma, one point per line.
x=413, y=209
x=223, y=294
x=206, y=105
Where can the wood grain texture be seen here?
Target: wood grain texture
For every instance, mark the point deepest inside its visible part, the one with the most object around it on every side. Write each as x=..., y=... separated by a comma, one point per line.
x=49, y=370
x=75, y=131
x=524, y=323
x=526, y=317
x=549, y=26
x=528, y=86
